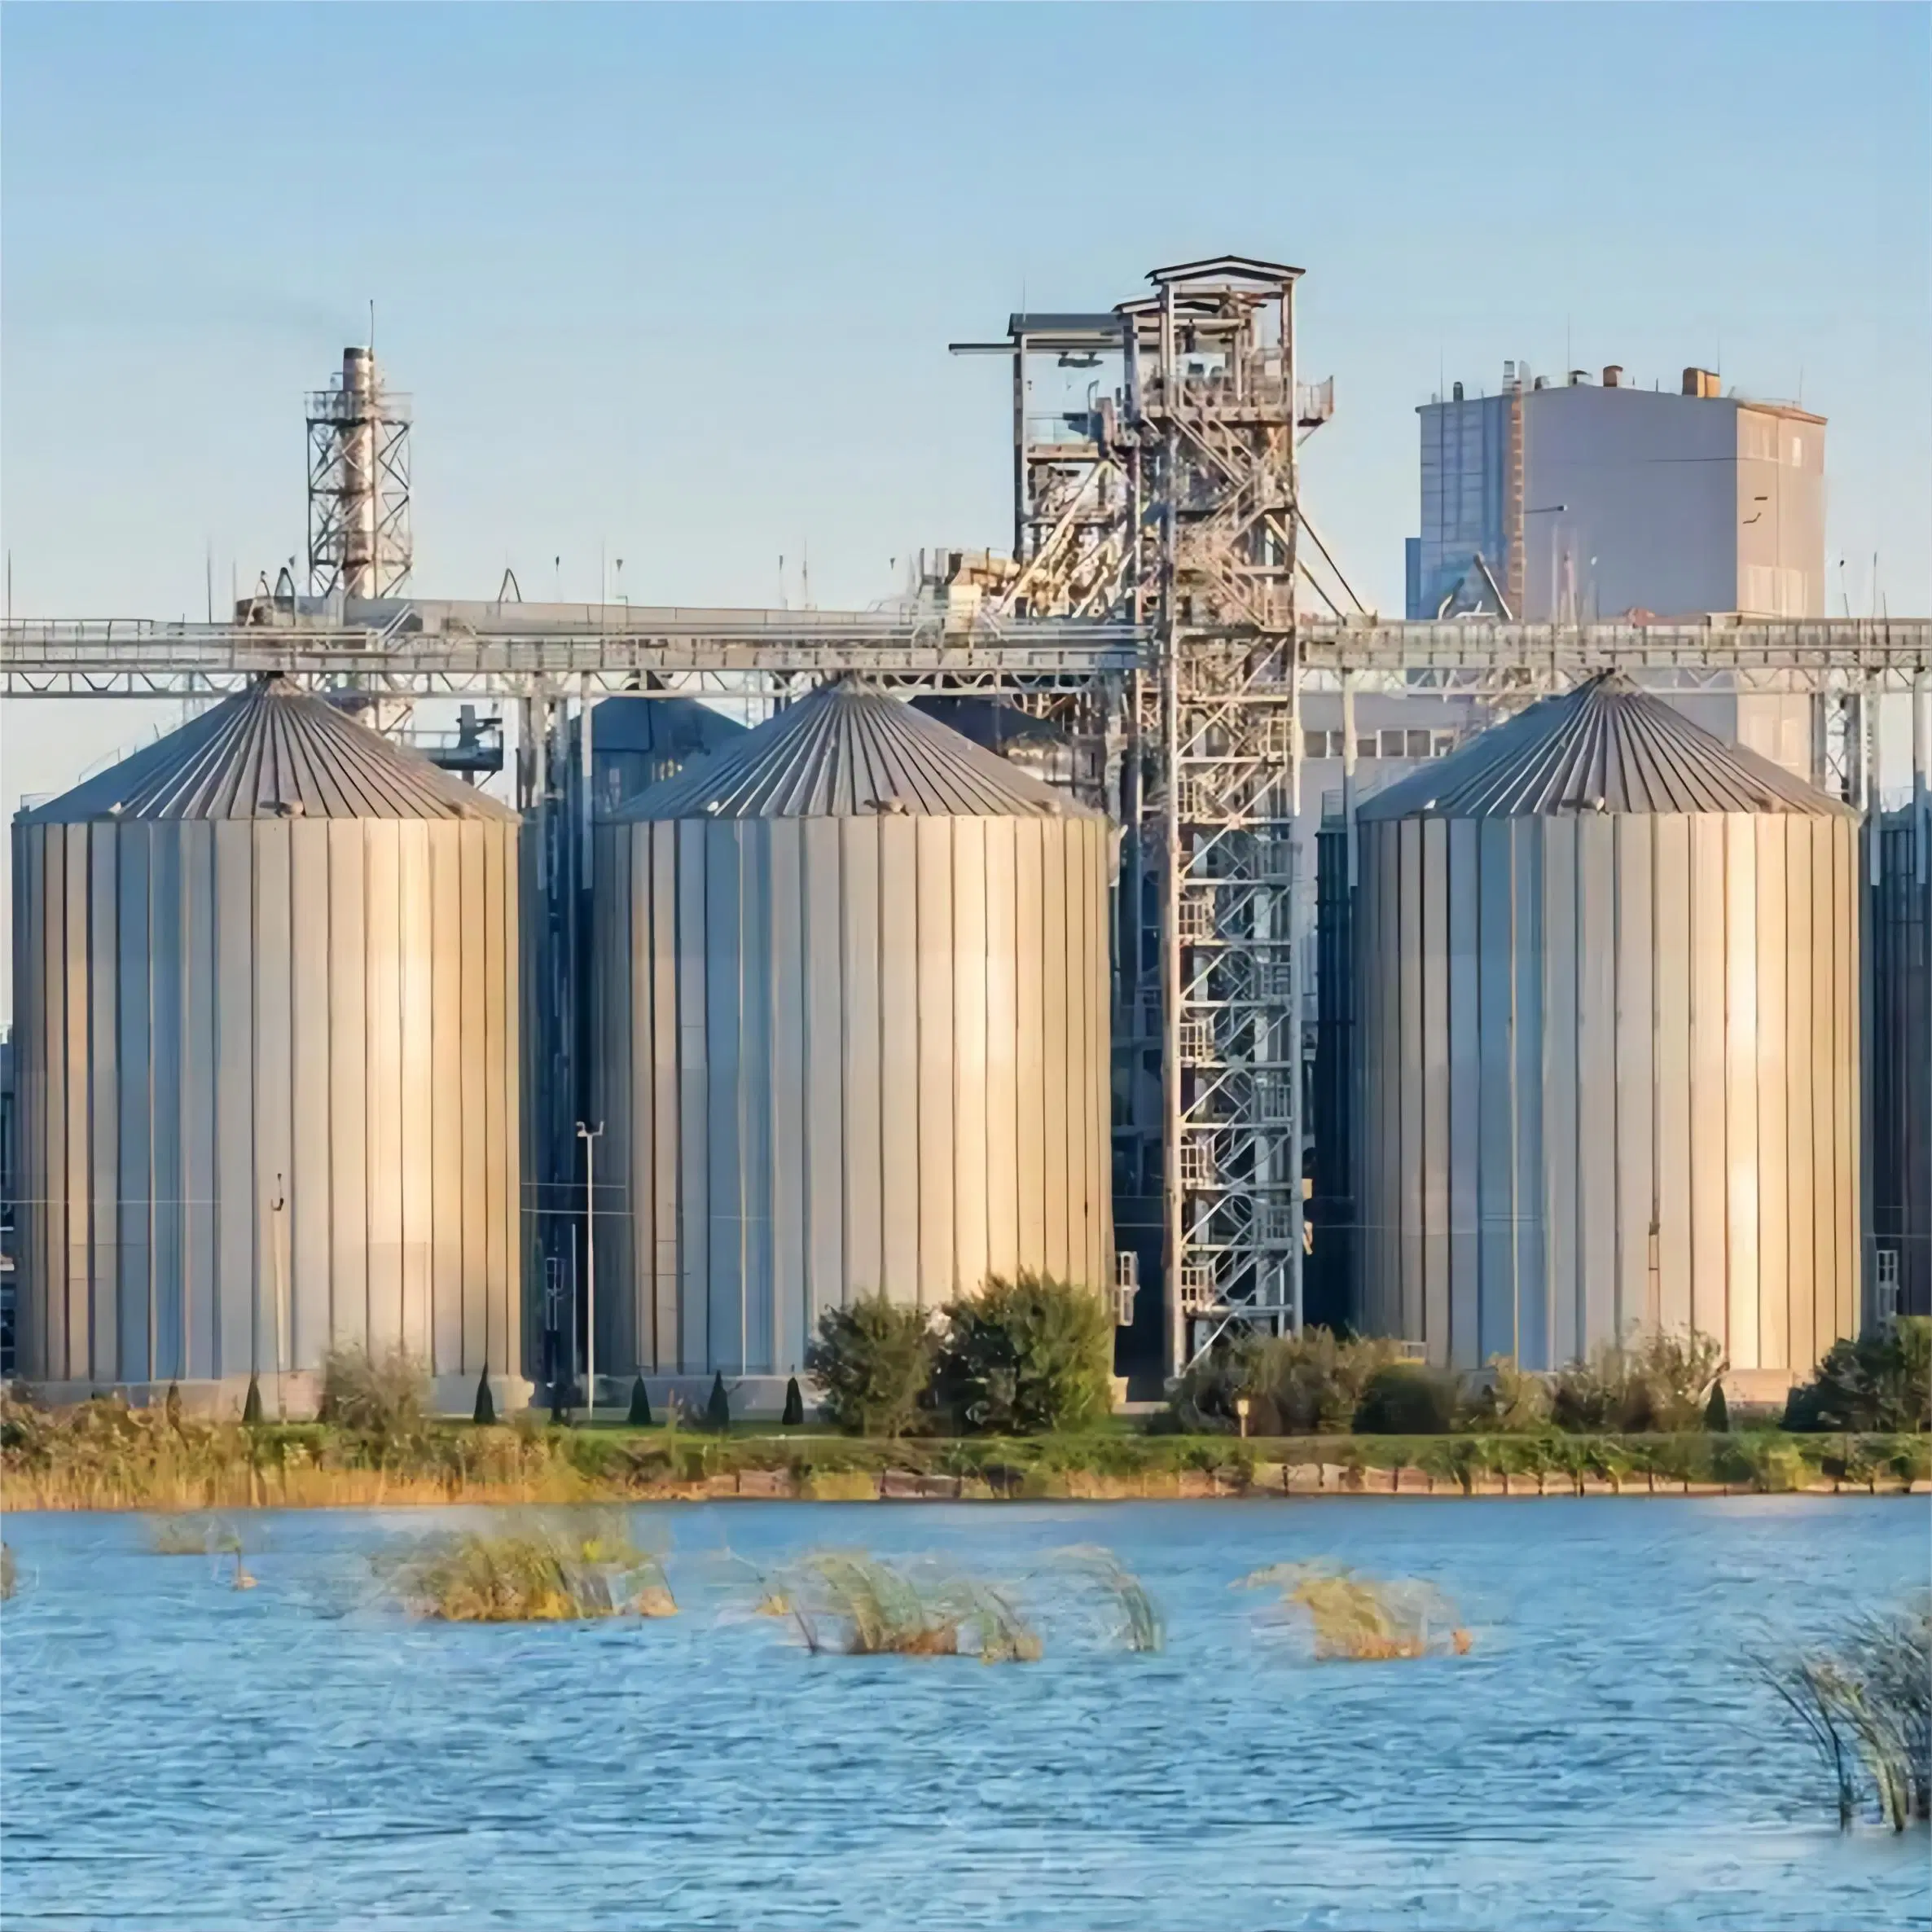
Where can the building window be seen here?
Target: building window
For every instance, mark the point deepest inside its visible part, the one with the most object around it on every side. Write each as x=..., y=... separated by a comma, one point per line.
x=1367, y=745
x=1392, y=744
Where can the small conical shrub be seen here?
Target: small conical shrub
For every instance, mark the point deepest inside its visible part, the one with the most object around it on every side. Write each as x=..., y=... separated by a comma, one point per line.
x=560, y=1408
x=1717, y=1412
x=640, y=1416
x=794, y=1413
x=717, y=1410
x=251, y=1403
x=485, y=1414
x=171, y=1405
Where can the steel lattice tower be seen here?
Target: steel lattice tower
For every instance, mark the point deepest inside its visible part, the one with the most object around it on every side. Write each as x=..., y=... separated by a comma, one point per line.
x=359, y=538
x=1176, y=504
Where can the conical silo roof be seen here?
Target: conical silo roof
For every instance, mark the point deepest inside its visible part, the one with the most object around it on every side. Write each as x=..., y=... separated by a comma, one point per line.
x=1606, y=746
x=846, y=752
x=273, y=751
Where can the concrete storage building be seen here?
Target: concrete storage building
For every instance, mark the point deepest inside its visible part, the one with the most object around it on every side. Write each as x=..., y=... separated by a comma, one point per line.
x=1606, y=1054
x=266, y=973
x=851, y=987
x=1571, y=501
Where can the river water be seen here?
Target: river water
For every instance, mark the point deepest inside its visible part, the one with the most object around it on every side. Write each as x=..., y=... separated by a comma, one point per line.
x=175, y=1753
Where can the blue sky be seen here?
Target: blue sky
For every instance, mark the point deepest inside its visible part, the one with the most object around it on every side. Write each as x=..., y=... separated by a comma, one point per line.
x=674, y=283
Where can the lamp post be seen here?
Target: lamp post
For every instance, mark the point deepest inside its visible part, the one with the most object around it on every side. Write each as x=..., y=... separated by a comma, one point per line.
x=588, y=1136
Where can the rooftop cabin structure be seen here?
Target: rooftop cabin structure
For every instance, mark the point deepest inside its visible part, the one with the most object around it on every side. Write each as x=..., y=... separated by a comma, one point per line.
x=1582, y=499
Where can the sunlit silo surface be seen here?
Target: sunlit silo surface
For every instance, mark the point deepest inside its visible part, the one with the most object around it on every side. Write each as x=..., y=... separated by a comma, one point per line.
x=851, y=984
x=1900, y=1066
x=267, y=1027
x=1608, y=1060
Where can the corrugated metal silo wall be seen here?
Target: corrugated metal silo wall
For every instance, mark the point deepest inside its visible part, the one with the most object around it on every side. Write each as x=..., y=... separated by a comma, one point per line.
x=1332, y=1204
x=214, y=1014
x=1609, y=1074
x=1899, y=1070
x=837, y=1058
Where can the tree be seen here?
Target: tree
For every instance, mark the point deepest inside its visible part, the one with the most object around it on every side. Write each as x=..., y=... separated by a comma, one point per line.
x=640, y=1415
x=794, y=1414
x=874, y=1362
x=717, y=1409
x=1028, y=1356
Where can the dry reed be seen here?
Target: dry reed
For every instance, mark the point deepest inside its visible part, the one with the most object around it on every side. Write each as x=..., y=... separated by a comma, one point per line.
x=1360, y=1619
x=561, y=1569
x=847, y=1602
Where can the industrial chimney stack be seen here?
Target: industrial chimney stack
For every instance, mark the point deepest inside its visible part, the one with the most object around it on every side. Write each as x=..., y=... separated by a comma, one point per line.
x=359, y=540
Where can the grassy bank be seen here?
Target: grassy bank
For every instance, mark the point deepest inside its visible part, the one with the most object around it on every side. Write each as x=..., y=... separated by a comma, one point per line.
x=104, y=1456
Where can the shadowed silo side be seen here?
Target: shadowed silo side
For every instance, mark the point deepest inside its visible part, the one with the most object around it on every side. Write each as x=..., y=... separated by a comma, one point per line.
x=1899, y=1069
x=851, y=983
x=636, y=741
x=1329, y=1274
x=267, y=1028
x=1608, y=1061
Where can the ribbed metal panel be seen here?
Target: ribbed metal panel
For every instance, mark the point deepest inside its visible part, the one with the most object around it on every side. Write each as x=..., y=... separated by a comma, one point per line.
x=842, y=1051
x=1606, y=1071
x=1899, y=1069
x=846, y=750
x=269, y=1085
x=1604, y=747
x=273, y=751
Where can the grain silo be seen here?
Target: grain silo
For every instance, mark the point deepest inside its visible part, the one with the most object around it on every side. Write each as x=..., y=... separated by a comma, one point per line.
x=265, y=979
x=1607, y=1020
x=1899, y=1068
x=851, y=1012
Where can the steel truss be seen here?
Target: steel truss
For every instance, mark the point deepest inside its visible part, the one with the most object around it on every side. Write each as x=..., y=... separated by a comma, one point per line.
x=719, y=654
x=360, y=542
x=1214, y=418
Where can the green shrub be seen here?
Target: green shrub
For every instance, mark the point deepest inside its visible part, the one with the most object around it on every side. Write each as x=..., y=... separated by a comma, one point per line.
x=1878, y=1383
x=1201, y=1401
x=1403, y=1398
x=1717, y=1412
x=484, y=1415
x=385, y=1400
x=717, y=1405
x=874, y=1362
x=1026, y=1356
x=1662, y=1384
x=1679, y=1372
x=638, y=1415
x=794, y=1411
x=1310, y=1383
x=1515, y=1402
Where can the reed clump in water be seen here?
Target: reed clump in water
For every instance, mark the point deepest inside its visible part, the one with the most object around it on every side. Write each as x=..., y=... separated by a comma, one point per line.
x=847, y=1602
x=1866, y=1703
x=1138, y=1624
x=563, y=1569
x=1360, y=1619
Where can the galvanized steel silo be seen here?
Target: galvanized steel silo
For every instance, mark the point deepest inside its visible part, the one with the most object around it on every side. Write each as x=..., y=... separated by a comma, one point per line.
x=1607, y=1021
x=851, y=1011
x=265, y=981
